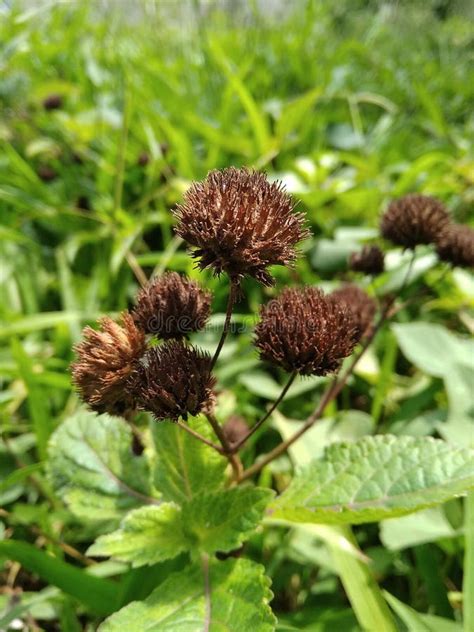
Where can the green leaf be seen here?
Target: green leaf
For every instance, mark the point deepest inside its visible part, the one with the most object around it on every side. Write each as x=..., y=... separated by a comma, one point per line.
x=185, y=467
x=218, y=521
x=231, y=595
x=375, y=478
x=221, y=521
x=416, y=622
x=468, y=583
x=92, y=467
x=97, y=594
x=146, y=536
x=424, y=526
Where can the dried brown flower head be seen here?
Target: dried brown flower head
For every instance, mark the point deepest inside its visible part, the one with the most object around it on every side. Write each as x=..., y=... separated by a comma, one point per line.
x=172, y=306
x=105, y=360
x=370, y=260
x=456, y=245
x=235, y=429
x=414, y=219
x=361, y=306
x=302, y=330
x=173, y=380
x=240, y=223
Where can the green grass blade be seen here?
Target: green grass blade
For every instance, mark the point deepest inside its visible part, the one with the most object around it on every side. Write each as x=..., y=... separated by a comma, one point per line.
x=98, y=595
x=363, y=592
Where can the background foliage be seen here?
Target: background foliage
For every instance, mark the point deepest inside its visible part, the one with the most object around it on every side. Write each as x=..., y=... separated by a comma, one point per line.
x=350, y=104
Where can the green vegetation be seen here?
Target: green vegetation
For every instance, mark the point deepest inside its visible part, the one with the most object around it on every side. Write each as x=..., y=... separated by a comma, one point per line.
x=108, y=111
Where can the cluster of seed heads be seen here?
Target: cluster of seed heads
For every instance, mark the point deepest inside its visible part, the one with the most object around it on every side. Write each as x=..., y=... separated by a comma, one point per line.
x=239, y=223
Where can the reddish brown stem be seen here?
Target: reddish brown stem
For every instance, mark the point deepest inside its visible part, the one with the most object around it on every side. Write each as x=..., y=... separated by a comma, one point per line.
x=234, y=459
x=199, y=437
x=233, y=292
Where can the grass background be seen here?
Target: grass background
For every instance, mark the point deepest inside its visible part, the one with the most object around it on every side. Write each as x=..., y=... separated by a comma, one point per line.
x=349, y=103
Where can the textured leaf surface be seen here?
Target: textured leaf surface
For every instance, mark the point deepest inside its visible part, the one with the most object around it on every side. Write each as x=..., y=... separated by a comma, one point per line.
x=92, y=467
x=221, y=521
x=185, y=467
x=147, y=535
x=376, y=478
x=230, y=596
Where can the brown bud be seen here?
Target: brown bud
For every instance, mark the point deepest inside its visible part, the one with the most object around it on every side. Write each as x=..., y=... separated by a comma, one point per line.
x=414, y=219
x=304, y=331
x=456, y=245
x=361, y=306
x=53, y=102
x=105, y=360
x=173, y=380
x=240, y=223
x=172, y=306
x=235, y=429
x=370, y=260
x=46, y=173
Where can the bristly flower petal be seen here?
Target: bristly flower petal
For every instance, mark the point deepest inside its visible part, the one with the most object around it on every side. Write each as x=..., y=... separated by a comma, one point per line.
x=240, y=223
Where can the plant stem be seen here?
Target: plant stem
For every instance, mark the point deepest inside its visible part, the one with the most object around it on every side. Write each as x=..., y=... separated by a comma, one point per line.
x=364, y=593
x=236, y=447
x=234, y=459
x=199, y=437
x=468, y=584
x=234, y=289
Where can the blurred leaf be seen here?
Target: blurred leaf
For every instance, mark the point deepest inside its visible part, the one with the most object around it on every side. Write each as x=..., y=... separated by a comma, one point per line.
x=417, y=622
x=428, y=525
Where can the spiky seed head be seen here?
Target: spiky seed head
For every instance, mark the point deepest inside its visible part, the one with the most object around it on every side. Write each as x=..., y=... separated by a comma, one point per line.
x=172, y=306
x=305, y=331
x=240, y=223
x=456, y=245
x=173, y=380
x=106, y=358
x=361, y=306
x=370, y=260
x=414, y=219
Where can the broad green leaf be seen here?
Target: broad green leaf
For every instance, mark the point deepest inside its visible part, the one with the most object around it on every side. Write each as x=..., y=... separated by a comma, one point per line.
x=221, y=521
x=424, y=526
x=92, y=467
x=231, y=596
x=147, y=535
x=97, y=594
x=375, y=478
x=218, y=521
x=184, y=466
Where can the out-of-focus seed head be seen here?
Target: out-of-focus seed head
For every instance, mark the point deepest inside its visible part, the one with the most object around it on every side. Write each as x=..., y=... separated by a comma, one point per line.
x=361, y=306
x=370, y=260
x=414, y=219
x=456, y=245
x=46, y=173
x=172, y=306
x=106, y=358
x=173, y=380
x=240, y=223
x=235, y=429
x=53, y=102
x=304, y=331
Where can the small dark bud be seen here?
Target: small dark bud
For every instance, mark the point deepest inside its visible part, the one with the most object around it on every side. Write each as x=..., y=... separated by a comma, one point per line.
x=172, y=306
x=240, y=223
x=414, y=219
x=46, y=173
x=361, y=306
x=105, y=360
x=83, y=203
x=456, y=245
x=235, y=429
x=53, y=102
x=173, y=380
x=370, y=260
x=304, y=331
x=143, y=159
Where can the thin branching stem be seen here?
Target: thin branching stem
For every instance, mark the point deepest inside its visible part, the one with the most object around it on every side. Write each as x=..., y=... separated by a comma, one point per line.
x=199, y=437
x=233, y=293
x=233, y=459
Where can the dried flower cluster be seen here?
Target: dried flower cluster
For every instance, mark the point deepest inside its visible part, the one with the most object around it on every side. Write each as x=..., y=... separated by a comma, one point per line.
x=414, y=219
x=174, y=380
x=172, y=306
x=456, y=245
x=240, y=223
x=370, y=260
x=305, y=331
x=361, y=306
x=106, y=359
